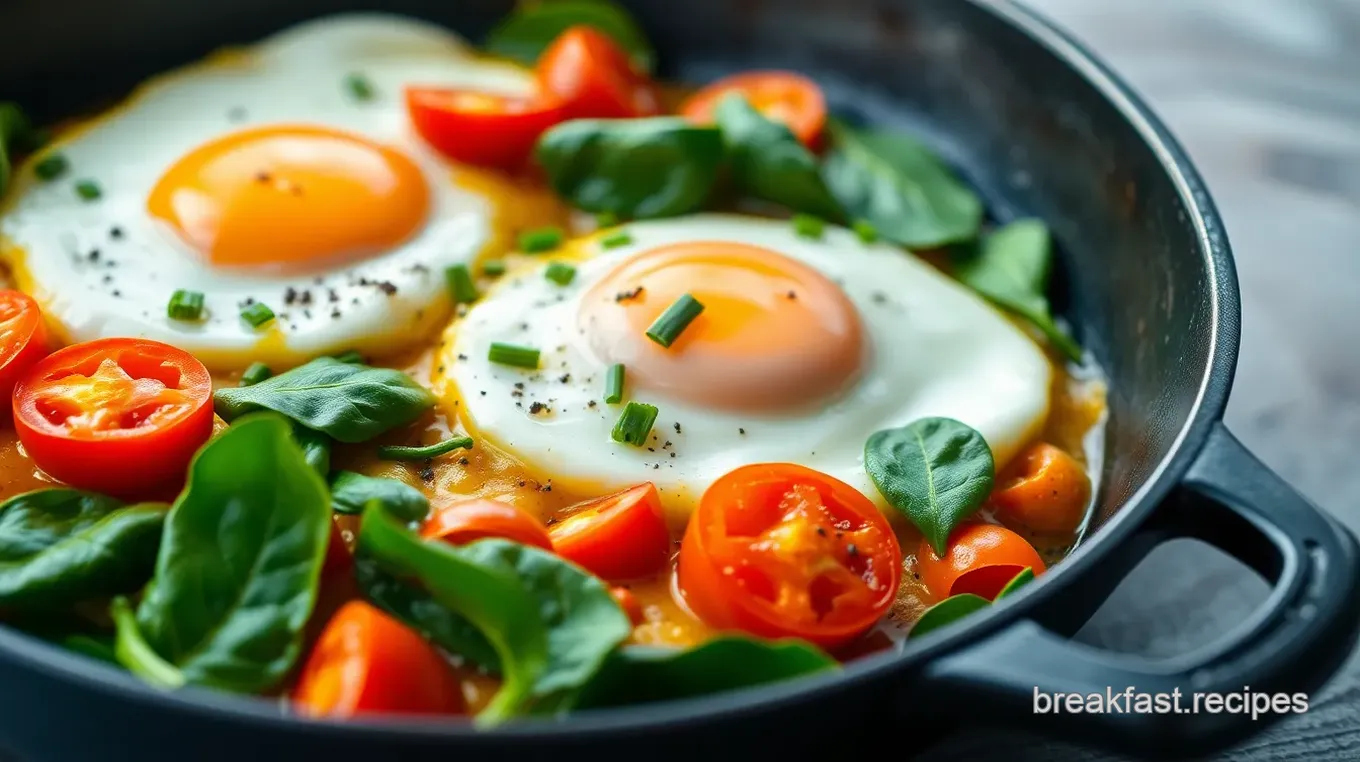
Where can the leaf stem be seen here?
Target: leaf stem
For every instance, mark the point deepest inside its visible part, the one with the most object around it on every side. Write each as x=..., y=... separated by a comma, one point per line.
x=136, y=654
x=399, y=452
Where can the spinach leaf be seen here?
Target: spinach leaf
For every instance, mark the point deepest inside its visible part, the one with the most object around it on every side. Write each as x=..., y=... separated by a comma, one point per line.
x=768, y=162
x=412, y=605
x=351, y=491
x=632, y=168
x=59, y=546
x=639, y=674
x=71, y=631
x=347, y=401
x=532, y=28
x=316, y=448
x=1025, y=577
x=100, y=647
x=900, y=187
x=551, y=624
x=936, y=471
x=946, y=612
x=236, y=578
x=16, y=135
x=1010, y=268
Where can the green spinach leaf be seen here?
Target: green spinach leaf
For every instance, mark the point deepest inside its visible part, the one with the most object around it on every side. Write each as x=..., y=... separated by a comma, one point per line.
x=237, y=574
x=936, y=471
x=632, y=168
x=413, y=605
x=1025, y=577
x=346, y=401
x=768, y=162
x=946, y=612
x=526, y=33
x=900, y=187
x=350, y=492
x=1010, y=268
x=551, y=624
x=316, y=448
x=59, y=546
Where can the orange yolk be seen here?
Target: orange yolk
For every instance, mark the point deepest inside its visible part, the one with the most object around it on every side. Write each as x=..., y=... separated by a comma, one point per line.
x=774, y=333
x=291, y=198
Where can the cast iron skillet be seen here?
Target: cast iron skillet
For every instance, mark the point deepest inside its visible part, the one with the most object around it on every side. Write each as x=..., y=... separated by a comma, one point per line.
x=1042, y=129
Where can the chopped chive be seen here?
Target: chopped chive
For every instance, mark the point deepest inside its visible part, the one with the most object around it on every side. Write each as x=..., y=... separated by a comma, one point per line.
x=808, y=226
x=613, y=385
x=634, y=424
x=511, y=354
x=493, y=267
x=560, y=273
x=668, y=327
x=398, y=452
x=351, y=356
x=256, y=373
x=616, y=239
x=459, y=281
x=88, y=190
x=257, y=314
x=541, y=240
x=606, y=220
x=866, y=231
x=51, y=167
x=359, y=87
x=185, y=305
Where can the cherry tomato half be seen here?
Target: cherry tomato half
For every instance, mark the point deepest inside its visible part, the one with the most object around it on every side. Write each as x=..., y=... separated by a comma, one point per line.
x=629, y=603
x=467, y=520
x=618, y=537
x=980, y=559
x=595, y=77
x=779, y=550
x=781, y=96
x=483, y=129
x=23, y=338
x=1044, y=489
x=118, y=416
x=366, y=662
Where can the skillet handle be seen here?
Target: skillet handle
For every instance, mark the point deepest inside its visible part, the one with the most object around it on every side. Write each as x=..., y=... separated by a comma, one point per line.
x=1298, y=638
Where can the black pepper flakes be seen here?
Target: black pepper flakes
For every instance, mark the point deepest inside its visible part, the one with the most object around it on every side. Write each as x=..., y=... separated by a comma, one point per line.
x=463, y=357
x=427, y=473
x=592, y=403
x=851, y=550
x=115, y=232
x=93, y=256
x=742, y=432
x=335, y=314
x=565, y=378
x=305, y=297
x=821, y=532
x=879, y=297
x=387, y=287
x=290, y=295
x=333, y=295
x=537, y=408
x=624, y=296
x=677, y=427
x=791, y=296
x=462, y=461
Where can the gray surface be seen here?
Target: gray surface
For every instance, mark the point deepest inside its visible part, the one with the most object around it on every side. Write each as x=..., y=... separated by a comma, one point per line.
x=1265, y=95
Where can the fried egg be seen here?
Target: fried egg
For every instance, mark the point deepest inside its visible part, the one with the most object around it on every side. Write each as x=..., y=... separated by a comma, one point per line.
x=259, y=176
x=804, y=347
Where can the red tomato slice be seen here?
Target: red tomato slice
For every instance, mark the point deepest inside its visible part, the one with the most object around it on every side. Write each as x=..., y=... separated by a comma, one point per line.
x=980, y=559
x=595, y=77
x=23, y=337
x=477, y=519
x=118, y=416
x=367, y=663
x=482, y=129
x=779, y=550
x=781, y=96
x=618, y=537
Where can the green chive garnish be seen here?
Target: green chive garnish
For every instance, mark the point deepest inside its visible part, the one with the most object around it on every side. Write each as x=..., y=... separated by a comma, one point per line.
x=351, y=356
x=616, y=239
x=493, y=268
x=866, y=231
x=51, y=167
x=541, y=240
x=560, y=273
x=511, y=354
x=808, y=226
x=185, y=305
x=257, y=314
x=459, y=281
x=674, y=320
x=398, y=452
x=359, y=87
x=635, y=424
x=88, y=190
x=613, y=385
x=256, y=373
x=606, y=220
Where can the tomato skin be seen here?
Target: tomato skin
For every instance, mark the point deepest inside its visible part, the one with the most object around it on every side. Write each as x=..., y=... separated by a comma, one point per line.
x=782, y=96
x=780, y=550
x=83, y=420
x=24, y=338
x=617, y=537
x=468, y=520
x=368, y=663
x=981, y=559
x=482, y=129
x=629, y=603
x=338, y=556
x=595, y=77
x=1044, y=489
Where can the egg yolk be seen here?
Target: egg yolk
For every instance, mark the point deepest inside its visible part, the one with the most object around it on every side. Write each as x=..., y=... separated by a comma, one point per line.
x=291, y=198
x=774, y=333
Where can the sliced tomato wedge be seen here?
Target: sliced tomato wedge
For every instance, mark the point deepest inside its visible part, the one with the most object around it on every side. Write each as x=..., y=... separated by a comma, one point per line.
x=595, y=77
x=467, y=520
x=23, y=337
x=780, y=550
x=781, y=96
x=118, y=416
x=368, y=663
x=618, y=537
x=980, y=559
x=482, y=129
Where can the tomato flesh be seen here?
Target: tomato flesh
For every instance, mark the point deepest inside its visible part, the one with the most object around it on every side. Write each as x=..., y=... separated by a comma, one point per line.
x=482, y=129
x=469, y=520
x=23, y=337
x=781, y=96
x=619, y=537
x=980, y=559
x=595, y=78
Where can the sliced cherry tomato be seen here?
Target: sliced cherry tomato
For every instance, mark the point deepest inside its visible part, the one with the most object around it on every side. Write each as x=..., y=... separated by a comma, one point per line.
x=338, y=556
x=1044, y=489
x=779, y=550
x=595, y=77
x=619, y=537
x=629, y=603
x=981, y=559
x=468, y=520
x=484, y=129
x=118, y=416
x=366, y=663
x=781, y=96
x=23, y=338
